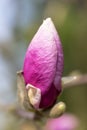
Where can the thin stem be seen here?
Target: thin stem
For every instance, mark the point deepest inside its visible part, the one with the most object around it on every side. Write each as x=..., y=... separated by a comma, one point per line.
x=70, y=81
x=25, y=114
x=17, y=111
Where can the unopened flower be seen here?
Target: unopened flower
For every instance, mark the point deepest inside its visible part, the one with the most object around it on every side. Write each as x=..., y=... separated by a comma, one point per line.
x=43, y=66
x=65, y=122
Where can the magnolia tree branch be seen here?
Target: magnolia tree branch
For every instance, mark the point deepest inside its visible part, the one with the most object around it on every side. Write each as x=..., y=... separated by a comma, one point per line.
x=74, y=80
x=14, y=109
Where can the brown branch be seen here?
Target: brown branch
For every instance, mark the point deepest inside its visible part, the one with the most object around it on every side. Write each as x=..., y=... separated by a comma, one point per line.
x=70, y=81
x=17, y=111
x=25, y=114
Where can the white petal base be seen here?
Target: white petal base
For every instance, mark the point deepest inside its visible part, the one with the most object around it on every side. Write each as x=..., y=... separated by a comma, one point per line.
x=34, y=95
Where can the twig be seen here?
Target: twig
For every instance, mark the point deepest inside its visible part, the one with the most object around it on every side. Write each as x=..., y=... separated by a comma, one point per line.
x=14, y=109
x=25, y=114
x=70, y=81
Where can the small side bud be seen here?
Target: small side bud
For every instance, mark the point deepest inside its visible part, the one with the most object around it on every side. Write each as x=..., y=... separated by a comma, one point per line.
x=34, y=95
x=57, y=110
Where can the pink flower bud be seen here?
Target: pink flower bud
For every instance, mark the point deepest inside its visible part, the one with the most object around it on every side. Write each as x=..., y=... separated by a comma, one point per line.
x=43, y=66
x=65, y=122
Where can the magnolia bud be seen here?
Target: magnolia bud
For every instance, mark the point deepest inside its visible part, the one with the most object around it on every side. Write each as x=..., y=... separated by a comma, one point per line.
x=43, y=66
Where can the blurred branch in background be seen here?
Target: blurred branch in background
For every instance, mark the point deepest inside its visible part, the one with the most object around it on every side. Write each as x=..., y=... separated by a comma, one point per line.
x=74, y=80
x=16, y=111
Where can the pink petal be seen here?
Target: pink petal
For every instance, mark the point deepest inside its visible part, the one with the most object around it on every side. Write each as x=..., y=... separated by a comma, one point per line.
x=40, y=60
x=65, y=122
x=60, y=59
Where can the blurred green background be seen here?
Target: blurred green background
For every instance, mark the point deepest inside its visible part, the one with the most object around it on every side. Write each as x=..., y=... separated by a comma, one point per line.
x=19, y=21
